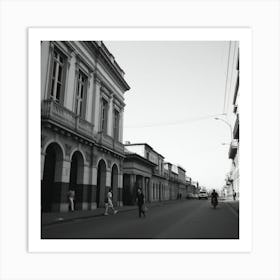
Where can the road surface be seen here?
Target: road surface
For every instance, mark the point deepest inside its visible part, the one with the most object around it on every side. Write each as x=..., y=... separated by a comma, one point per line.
x=190, y=219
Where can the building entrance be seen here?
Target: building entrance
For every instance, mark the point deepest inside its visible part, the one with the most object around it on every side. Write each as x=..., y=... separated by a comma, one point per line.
x=51, y=171
x=76, y=178
x=101, y=184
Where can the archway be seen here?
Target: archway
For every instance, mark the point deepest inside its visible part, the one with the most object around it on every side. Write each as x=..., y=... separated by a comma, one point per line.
x=114, y=183
x=76, y=178
x=51, y=174
x=101, y=183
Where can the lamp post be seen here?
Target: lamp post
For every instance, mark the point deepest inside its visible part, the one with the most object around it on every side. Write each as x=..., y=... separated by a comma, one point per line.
x=228, y=124
x=229, y=180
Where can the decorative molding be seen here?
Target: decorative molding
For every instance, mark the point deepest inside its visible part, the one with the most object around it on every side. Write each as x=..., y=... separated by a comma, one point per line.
x=68, y=149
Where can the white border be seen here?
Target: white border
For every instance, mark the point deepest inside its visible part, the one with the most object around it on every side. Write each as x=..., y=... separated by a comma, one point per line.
x=243, y=35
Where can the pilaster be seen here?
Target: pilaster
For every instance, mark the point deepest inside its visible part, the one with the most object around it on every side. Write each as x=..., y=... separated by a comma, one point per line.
x=96, y=104
x=110, y=117
x=43, y=155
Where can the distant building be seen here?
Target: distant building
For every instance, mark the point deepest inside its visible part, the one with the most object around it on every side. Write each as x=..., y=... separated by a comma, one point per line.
x=82, y=104
x=137, y=173
x=145, y=168
x=156, y=187
x=182, y=182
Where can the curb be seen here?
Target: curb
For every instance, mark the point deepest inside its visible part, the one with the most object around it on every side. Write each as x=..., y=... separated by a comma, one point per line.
x=81, y=218
x=232, y=207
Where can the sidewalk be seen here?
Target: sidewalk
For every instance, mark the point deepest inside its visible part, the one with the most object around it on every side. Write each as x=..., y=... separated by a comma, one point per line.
x=62, y=217
x=234, y=204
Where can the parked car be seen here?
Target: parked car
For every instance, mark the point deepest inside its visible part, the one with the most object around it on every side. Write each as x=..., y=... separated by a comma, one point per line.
x=195, y=195
x=192, y=196
x=202, y=195
x=189, y=196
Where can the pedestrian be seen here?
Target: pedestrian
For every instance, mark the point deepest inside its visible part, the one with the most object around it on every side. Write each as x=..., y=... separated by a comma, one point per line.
x=234, y=195
x=140, y=202
x=109, y=203
x=71, y=198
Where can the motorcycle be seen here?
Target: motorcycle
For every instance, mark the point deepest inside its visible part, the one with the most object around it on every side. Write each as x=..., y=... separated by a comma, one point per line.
x=214, y=202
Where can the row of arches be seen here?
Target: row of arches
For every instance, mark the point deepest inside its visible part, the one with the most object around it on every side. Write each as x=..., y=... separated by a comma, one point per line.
x=56, y=181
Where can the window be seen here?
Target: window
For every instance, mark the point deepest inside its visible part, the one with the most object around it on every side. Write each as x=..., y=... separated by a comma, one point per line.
x=57, y=77
x=81, y=94
x=104, y=113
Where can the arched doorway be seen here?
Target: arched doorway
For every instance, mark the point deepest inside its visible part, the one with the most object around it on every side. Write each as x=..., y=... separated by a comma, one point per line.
x=101, y=183
x=51, y=174
x=76, y=178
x=114, y=183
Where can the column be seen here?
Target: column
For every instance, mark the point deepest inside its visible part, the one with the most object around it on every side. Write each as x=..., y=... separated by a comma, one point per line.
x=121, y=127
x=108, y=181
x=120, y=190
x=96, y=105
x=61, y=186
x=143, y=185
x=45, y=65
x=86, y=188
x=89, y=98
x=132, y=192
x=110, y=118
x=42, y=164
x=70, y=92
x=92, y=189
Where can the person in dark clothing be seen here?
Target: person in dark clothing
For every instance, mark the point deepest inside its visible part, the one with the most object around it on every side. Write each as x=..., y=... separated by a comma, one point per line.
x=140, y=202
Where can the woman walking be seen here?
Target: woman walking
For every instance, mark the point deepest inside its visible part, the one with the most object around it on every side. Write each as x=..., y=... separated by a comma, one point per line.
x=140, y=202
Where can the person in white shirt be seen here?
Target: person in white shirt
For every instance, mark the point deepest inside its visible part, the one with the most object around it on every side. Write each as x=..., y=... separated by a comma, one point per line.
x=109, y=203
x=71, y=197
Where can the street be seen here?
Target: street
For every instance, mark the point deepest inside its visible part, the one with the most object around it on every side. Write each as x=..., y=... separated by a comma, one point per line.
x=192, y=219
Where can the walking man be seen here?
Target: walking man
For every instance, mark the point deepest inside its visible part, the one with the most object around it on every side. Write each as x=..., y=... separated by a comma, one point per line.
x=140, y=202
x=71, y=197
x=109, y=203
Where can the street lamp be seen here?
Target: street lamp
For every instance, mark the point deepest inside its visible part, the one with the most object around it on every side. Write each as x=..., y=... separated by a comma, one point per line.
x=228, y=124
x=230, y=181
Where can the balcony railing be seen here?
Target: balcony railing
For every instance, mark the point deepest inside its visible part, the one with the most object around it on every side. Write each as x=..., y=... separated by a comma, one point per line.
x=54, y=111
x=110, y=142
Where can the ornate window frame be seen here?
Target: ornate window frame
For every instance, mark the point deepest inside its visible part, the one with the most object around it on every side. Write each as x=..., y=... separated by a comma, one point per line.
x=56, y=46
x=81, y=67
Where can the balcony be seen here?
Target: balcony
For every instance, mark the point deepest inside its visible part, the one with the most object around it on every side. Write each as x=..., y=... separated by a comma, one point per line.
x=233, y=149
x=51, y=110
x=110, y=143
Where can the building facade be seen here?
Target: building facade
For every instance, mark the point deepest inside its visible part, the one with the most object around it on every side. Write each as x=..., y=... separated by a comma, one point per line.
x=156, y=187
x=233, y=178
x=145, y=168
x=182, y=182
x=82, y=104
x=137, y=173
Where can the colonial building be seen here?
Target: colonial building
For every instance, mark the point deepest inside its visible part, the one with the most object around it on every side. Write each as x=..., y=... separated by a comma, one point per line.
x=233, y=179
x=145, y=168
x=154, y=185
x=137, y=173
x=182, y=182
x=173, y=180
x=82, y=104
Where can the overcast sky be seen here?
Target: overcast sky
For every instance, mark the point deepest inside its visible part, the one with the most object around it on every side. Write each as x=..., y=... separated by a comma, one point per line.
x=177, y=88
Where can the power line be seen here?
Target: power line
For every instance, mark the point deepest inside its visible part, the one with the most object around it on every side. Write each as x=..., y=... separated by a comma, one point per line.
x=178, y=122
x=225, y=94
